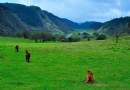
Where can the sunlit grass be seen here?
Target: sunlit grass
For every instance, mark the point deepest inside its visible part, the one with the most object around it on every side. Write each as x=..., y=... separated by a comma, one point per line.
x=63, y=66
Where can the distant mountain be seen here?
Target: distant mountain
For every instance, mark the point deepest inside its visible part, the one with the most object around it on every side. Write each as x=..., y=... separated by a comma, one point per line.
x=85, y=25
x=70, y=23
x=17, y=17
x=91, y=25
x=116, y=26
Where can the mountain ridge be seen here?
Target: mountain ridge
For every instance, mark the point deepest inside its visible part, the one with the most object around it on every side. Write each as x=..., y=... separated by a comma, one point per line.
x=116, y=26
x=18, y=18
x=30, y=18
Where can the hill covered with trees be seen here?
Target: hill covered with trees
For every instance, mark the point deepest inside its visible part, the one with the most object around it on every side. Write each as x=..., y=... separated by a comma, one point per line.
x=17, y=17
x=116, y=26
x=20, y=18
x=85, y=25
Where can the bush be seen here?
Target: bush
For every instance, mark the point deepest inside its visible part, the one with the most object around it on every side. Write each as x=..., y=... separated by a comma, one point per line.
x=96, y=34
x=71, y=39
x=26, y=33
x=35, y=36
x=86, y=36
x=101, y=37
x=43, y=36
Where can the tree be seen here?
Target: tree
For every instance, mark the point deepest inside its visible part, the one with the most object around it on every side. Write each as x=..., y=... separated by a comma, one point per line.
x=43, y=36
x=35, y=36
x=19, y=34
x=54, y=38
x=119, y=31
x=46, y=36
x=84, y=33
x=101, y=37
x=129, y=24
x=96, y=34
x=26, y=33
x=117, y=36
x=128, y=27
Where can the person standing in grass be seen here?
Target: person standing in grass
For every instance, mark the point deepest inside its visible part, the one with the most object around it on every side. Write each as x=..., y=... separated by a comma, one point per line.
x=27, y=56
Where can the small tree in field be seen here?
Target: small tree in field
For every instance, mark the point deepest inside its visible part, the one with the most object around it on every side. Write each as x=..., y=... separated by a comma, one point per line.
x=118, y=32
x=117, y=36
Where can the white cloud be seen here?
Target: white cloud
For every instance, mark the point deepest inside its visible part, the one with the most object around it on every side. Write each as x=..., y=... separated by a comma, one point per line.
x=26, y=2
x=115, y=12
x=118, y=2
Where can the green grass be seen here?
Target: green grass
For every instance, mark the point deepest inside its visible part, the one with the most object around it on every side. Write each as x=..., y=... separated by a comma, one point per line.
x=76, y=31
x=63, y=66
x=90, y=31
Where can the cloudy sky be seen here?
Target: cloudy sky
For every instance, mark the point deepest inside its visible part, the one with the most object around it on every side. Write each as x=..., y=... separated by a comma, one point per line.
x=82, y=10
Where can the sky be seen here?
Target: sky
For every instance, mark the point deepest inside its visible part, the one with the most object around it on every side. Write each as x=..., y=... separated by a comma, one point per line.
x=81, y=10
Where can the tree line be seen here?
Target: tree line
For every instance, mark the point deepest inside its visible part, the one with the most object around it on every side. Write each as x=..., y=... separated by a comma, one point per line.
x=40, y=36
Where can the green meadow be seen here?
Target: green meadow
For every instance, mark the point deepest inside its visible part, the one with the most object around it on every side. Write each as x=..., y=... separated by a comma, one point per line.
x=64, y=65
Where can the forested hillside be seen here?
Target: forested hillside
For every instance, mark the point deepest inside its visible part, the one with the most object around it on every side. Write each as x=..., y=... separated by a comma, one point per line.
x=116, y=26
x=17, y=17
x=85, y=25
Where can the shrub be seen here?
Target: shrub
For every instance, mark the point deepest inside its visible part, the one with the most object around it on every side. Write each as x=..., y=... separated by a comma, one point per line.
x=71, y=39
x=101, y=37
x=96, y=34
x=43, y=36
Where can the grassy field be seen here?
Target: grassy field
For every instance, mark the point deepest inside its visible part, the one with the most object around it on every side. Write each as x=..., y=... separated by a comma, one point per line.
x=63, y=66
x=76, y=31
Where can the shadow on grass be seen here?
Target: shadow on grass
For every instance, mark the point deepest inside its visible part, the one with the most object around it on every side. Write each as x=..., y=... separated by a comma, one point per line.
x=18, y=83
